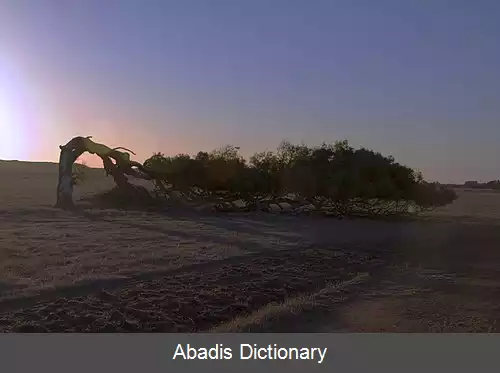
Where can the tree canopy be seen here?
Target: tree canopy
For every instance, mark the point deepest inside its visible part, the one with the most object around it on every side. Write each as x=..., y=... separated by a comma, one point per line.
x=334, y=174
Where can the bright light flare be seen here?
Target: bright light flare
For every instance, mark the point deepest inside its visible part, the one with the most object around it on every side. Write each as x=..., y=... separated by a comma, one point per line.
x=11, y=134
x=15, y=112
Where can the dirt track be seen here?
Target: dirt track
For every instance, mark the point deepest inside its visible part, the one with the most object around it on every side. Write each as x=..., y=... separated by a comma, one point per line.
x=108, y=270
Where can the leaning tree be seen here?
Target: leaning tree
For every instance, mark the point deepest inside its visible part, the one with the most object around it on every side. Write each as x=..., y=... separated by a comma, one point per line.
x=116, y=163
x=332, y=178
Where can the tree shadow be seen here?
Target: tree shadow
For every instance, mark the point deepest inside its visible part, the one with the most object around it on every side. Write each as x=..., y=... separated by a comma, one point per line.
x=87, y=287
x=5, y=287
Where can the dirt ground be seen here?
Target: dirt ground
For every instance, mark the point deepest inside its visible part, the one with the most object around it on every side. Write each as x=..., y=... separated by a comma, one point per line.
x=105, y=270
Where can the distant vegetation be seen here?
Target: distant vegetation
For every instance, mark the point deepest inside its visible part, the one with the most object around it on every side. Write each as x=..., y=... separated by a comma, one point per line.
x=473, y=184
x=80, y=173
x=332, y=176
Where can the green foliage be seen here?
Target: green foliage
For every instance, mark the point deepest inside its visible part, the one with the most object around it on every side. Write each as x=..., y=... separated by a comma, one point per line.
x=331, y=173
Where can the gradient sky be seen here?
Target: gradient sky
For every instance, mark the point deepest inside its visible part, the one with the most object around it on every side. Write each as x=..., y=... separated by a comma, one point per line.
x=418, y=79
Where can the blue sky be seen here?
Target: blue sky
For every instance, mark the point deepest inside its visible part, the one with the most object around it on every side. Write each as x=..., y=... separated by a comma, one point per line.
x=416, y=79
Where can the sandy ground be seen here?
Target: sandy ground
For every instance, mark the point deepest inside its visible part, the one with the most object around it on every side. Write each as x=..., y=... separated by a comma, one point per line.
x=110, y=270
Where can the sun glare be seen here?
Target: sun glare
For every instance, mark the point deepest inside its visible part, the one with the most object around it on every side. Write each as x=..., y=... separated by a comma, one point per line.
x=14, y=112
x=10, y=132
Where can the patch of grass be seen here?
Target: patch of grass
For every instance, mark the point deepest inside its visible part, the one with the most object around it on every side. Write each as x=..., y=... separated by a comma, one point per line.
x=276, y=311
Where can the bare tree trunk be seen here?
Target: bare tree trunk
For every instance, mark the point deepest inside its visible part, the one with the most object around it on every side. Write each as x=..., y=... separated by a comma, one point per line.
x=117, y=173
x=69, y=154
x=118, y=170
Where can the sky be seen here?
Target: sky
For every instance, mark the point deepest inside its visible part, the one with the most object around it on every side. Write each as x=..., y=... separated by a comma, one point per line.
x=416, y=79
